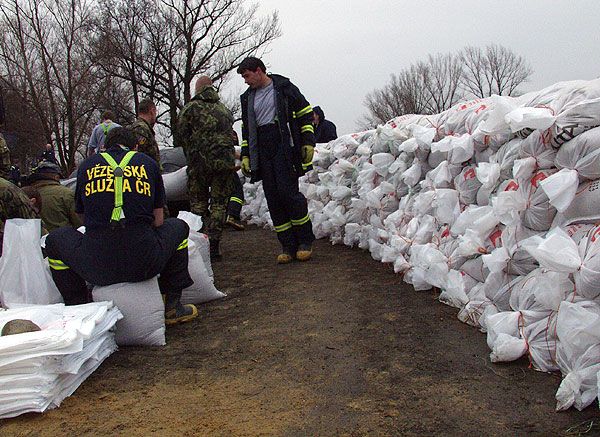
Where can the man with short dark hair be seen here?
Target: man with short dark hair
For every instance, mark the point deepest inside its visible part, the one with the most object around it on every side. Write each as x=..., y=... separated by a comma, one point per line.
x=96, y=142
x=143, y=128
x=58, y=201
x=121, y=195
x=277, y=147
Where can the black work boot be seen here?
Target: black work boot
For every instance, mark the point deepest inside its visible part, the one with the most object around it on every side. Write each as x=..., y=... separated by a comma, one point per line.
x=215, y=254
x=176, y=312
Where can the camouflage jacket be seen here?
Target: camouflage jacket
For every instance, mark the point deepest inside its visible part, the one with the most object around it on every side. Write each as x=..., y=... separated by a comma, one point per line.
x=205, y=127
x=4, y=159
x=146, y=140
x=14, y=203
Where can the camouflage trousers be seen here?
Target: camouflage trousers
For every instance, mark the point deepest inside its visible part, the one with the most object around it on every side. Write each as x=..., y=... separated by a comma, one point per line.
x=209, y=193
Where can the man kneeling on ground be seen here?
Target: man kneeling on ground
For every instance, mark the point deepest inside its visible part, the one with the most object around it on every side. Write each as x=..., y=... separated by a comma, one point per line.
x=120, y=195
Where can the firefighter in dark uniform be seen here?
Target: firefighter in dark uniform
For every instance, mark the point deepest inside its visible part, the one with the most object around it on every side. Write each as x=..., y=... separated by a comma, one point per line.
x=121, y=195
x=277, y=147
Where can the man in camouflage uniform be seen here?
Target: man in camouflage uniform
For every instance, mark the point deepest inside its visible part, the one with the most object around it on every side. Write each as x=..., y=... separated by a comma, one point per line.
x=143, y=127
x=14, y=203
x=4, y=159
x=206, y=132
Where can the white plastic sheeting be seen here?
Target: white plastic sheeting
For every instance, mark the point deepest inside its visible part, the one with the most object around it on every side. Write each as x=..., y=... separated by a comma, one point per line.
x=40, y=369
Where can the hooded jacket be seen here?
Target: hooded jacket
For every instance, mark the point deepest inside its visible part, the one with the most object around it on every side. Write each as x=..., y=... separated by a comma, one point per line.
x=325, y=131
x=294, y=116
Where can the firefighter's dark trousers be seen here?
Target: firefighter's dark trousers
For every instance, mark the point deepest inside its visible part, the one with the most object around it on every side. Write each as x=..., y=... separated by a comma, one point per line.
x=287, y=205
x=131, y=253
x=236, y=201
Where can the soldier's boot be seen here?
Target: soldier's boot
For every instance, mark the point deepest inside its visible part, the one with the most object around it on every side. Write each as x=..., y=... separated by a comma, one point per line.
x=215, y=253
x=176, y=312
x=304, y=252
x=235, y=223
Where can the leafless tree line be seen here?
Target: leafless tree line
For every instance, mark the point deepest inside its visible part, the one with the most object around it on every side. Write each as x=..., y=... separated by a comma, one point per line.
x=441, y=81
x=67, y=60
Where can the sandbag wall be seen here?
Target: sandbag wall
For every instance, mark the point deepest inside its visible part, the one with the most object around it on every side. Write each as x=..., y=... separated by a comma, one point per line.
x=493, y=202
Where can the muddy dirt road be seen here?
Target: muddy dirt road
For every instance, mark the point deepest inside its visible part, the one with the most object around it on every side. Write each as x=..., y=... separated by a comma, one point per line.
x=336, y=346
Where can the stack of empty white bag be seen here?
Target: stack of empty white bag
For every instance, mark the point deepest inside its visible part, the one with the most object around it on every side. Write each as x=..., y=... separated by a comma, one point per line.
x=495, y=203
x=41, y=368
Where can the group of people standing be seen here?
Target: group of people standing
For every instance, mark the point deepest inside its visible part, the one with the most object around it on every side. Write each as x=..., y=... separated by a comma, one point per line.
x=120, y=196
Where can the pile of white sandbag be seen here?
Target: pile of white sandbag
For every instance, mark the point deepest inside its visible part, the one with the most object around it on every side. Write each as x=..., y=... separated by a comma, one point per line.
x=493, y=202
x=41, y=368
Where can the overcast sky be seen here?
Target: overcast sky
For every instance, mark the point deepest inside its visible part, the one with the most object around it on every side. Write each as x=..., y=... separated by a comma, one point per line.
x=336, y=51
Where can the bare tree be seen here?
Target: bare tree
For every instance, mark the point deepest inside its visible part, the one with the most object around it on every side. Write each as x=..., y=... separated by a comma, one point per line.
x=160, y=47
x=44, y=60
x=423, y=88
x=493, y=70
x=443, y=80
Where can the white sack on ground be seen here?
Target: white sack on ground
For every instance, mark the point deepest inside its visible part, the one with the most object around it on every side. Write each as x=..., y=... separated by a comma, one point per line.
x=25, y=277
x=142, y=324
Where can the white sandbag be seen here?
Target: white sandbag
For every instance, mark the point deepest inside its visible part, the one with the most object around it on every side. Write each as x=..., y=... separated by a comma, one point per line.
x=197, y=240
x=25, y=277
x=587, y=276
x=525, y=202
x=176, y=184
x=556, y=242
x=431, y=263
x=561, y=188
x=143, y=312
x=476, y=269
x=530, y=118
x=585, y=207
x=537, y=146
x=382, y=162
x=541, y=340
x=474, y=309
x=578, y=331
x=203, y=289
x=455, y=291
x=467, y=184
x=541, y=290
x=503, y=336
x=582, y=153
x=446, y=206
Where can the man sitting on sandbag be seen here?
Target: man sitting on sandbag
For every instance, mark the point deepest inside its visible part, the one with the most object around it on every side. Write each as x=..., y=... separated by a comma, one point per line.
x=120, y=194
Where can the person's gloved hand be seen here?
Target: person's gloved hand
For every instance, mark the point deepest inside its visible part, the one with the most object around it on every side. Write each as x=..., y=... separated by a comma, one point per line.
x=307, y=154
x=246, y=165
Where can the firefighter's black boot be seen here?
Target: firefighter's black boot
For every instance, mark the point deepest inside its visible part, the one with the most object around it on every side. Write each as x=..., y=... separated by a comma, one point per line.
x=176, y=312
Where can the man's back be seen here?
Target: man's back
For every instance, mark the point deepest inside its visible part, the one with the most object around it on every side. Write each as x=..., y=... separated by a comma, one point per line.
x=205, y=126
x=143, y=189
x=99, y=133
